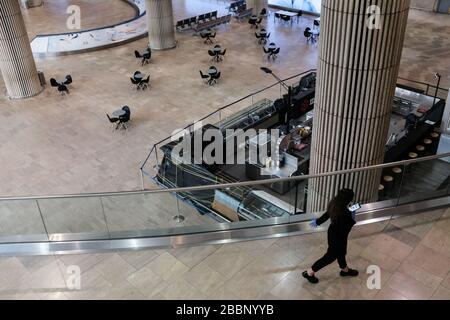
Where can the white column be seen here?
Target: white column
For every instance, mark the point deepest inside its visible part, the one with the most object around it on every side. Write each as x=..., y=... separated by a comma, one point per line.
x=161, y=28
x=16, y=59
x=358, y=70
x=257, y=5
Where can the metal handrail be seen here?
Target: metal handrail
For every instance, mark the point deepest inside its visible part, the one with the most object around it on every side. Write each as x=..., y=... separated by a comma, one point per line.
x=231, y=185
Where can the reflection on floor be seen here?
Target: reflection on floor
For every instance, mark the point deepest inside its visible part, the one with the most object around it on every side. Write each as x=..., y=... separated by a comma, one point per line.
x=413, y=254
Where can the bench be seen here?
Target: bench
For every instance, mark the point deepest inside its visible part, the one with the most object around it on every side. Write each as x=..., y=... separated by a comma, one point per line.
x=244, y=14
x=212, y=23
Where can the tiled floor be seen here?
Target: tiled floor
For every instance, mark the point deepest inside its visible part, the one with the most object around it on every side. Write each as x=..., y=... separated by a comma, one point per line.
x=55, y=145
x=413, y=263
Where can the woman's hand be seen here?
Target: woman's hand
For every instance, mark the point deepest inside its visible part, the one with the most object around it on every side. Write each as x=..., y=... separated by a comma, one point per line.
x=314, y=223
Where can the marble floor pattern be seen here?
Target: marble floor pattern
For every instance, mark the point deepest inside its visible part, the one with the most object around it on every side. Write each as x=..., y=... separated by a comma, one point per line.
x=63, y=145
x=413, y=254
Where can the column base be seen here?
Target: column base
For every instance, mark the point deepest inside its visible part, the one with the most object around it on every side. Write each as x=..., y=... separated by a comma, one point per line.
x=162, y=49
x=26, y=97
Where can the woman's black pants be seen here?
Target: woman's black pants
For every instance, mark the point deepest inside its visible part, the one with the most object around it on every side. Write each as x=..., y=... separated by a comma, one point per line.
x=329, y=258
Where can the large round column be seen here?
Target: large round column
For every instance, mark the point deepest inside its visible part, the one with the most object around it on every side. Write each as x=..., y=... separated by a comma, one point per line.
x=257, y=5
x=16, y=59
x=161, y=28
x=358, y=68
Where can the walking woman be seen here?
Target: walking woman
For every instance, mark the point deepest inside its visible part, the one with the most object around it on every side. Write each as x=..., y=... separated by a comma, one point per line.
x=342, y=221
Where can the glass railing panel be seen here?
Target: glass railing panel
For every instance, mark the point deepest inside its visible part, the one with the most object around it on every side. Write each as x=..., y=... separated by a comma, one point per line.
x=74, y=218
x=145, y=214
x=20, y=220
x=425, y=180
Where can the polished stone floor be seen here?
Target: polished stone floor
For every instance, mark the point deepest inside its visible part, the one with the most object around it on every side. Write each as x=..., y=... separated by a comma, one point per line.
x=413, y=254
x=55, y=144
x=52, y=16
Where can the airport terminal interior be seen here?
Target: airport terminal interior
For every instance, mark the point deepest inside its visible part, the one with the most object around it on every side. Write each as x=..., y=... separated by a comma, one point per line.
x=92, y=92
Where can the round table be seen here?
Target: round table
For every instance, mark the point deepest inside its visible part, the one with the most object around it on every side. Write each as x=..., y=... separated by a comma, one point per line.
x=118, y=113
x=139, y=76
x=253, y=19
x=272, y=46
x=212, y=71
x=217, y=49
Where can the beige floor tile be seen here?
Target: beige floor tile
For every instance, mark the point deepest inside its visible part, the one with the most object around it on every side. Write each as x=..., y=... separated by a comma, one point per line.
x=441, y=294
x=409, y=287
x=205, y=279
x=193, y=256
x=430, y=260
x=148, y=282
x=390, y=247
x=420, y=275
x=387, y=293
x=114, y=269
x=140, y=258
x=167, y=267
x=438, y=239
x=180, y=289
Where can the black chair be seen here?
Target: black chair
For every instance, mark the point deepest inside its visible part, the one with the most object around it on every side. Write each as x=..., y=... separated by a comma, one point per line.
x=222, y=53
x=126, y=109
x=258, y=22
x=186, y=23
x=144, y=84
x=316, y=24
x=277, y=15
x=124, y=120
x=53, y=82
x=208, y=16
x=135, y=83
x=207, y=37
x=204, y=76
x=214, y=15
x=193, y=21
x=286, y=18
x=137, y=54
x=308, y=34
x=112, y=120
x=62, y=88
x=274, y=53
x=146, y=57
x=179, y=26
x=263, y=13
x=212, y=54
x=214, y=78
x=201, y=18
x=68, y=80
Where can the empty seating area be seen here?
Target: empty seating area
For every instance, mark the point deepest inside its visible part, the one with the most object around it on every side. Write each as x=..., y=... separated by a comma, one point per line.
x=190, y=23
x=212, y=23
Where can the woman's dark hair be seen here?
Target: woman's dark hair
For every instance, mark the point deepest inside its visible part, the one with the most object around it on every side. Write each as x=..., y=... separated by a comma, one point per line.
x=338, y=205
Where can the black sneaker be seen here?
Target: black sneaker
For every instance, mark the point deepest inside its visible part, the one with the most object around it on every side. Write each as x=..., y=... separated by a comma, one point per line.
x=312, y=279
x=349, y=273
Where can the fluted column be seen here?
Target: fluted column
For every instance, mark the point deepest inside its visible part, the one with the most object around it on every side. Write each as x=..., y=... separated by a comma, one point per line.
x=358, y=69
x=161, y=28
x=257, y=5
x=16, y=59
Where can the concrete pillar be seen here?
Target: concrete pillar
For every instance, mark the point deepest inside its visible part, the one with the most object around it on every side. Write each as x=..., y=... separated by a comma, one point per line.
x=257, y=5
x=16, y=59
x=357, y=75
x=161, y=27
